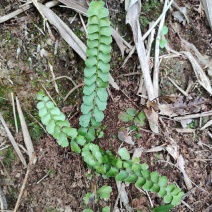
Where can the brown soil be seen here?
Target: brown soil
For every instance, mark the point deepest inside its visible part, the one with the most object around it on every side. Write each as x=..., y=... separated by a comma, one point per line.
x=59, y=179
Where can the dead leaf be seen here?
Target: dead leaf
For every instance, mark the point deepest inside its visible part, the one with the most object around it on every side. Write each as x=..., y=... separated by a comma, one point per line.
x=181, y=165
x=179, y=16
x=200, y=74
x=123, y=136
x=152, y=118
x=156, y=149
x=132, y=17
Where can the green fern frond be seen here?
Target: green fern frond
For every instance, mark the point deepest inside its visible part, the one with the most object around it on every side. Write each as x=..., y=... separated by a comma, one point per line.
x=96, y=73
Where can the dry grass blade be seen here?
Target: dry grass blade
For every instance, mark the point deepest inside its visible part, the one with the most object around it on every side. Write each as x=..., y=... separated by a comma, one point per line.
x=157, y=53
x=200, y=74
x=3, y=201
x=64, y=30
x=123, y=196
x=14, y=13
x=207, y=4
x=26, y=135
x=31, y=162
x=9, y=134
x=132, y=18
x=81, y=7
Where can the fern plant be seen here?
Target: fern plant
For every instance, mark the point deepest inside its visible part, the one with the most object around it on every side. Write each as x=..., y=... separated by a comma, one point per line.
x=96, y=75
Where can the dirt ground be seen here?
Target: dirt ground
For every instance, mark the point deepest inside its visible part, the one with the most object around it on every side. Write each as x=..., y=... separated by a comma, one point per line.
x=60, y=178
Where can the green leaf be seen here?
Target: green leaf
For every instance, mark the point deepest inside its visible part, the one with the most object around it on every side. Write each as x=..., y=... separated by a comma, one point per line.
x=104, y=22
x=103, y=13
x=101, y=84
x=92, y=28
x=140, y=119
x=162, y=192
x=167, y=198
x=45, y=99
x=117, y=162
x=99, y=115
x=89, y=71
x=123, y=116
x=91, y=52
x=89, y=62
x=104, y=192
x=106, y=209
x=75, y=147
x=163, y=43
x=94, y=8
x=40, y=95
x=147, y=186
x=170, y=187
x=101, y=105
x=72, y=132
x=40, y=105
x=154, y=177
x=102, y=94
x=86, y=108
x=63, y=123
x=131, y=111
x=93, y=20
x=144, y=166
x=85, y=119
x=104, y=67
x=90, y=135
x=42, y=112
x=101, y=134
x=140, y=182
x=80, y=140
x=50, y=105
x=50, y=127
x=88, y=197
x=106, y=49
x=146, y=174
x=103, y=76
x=164, y=30
x=162, y=182
x=107, y=31
x=124, y=154
x=122, y=176
x=163, y=208
x=105, y=58
x=94, y=123
x=88, y=90
x=155, y=188
x=61, y=117
x=105, y=40
x=176, y=191
x=89, y=81
x=55, y=111
x=131, y=178
x=57, y=131
x=93, y=36
x=112, y=172
x=87, y=210
x=45, y=119
x=88, y=100
x=92, y=44
x=82, y=131
x=176, y=199
x=62, y=140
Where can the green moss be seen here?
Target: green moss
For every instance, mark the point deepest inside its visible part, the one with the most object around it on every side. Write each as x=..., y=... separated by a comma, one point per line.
x=9, y=156
x=150, y=11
